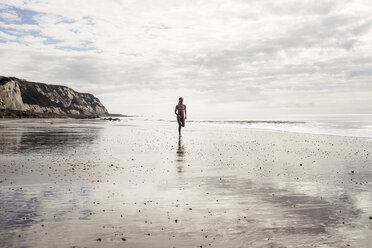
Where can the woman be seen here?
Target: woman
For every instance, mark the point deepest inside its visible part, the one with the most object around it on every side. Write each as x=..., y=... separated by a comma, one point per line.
x=180, y=111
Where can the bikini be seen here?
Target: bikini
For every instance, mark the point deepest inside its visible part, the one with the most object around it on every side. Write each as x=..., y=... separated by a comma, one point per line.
x=180, y=115
x=180, y=109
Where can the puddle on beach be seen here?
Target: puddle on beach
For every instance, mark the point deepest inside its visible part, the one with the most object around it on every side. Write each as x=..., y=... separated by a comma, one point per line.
x=135, y=186
x=26, y=136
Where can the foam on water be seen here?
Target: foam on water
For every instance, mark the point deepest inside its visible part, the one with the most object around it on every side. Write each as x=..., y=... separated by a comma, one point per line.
x=341, y=125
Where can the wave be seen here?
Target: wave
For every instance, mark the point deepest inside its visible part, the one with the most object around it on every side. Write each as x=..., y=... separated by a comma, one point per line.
x=353, y=125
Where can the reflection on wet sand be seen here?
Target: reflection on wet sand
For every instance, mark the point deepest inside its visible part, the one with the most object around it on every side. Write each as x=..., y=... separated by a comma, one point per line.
x=129, y=186
x=47, y=135
x=180, y=156
x=227, y=212
x=33, y=211
x=269, y=211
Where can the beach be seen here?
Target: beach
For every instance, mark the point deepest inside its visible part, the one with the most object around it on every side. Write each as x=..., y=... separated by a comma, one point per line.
x=134, y=183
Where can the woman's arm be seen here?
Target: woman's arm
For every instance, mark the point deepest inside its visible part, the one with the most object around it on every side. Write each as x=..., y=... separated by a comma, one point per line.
x=175, y=110
x=185, y=112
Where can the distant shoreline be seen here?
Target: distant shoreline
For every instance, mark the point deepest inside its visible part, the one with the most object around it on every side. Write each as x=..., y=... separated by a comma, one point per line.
x=18, y=114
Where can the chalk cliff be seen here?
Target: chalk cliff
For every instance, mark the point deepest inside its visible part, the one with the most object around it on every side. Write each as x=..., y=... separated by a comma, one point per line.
x=47, y=100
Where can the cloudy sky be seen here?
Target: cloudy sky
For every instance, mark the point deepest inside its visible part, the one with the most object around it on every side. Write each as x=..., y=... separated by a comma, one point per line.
x=229, y=59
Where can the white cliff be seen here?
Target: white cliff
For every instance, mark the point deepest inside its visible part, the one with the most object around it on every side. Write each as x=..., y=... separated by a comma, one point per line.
x=21, y=95
x=10, y=96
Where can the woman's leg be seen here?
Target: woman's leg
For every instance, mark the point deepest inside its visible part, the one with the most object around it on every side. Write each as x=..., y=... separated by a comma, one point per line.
x=179, y=125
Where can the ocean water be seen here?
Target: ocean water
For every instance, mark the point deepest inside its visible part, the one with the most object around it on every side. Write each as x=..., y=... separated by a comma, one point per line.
x=350, y=125
x=353, y=125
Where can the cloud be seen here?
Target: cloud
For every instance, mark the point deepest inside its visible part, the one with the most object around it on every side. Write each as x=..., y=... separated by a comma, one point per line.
x=9, y=15
x=257, y=54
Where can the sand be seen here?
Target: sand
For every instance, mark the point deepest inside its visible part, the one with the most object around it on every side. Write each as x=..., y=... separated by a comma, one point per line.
x=93, y=183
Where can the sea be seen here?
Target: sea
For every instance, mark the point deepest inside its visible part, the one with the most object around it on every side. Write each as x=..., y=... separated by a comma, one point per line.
x=353, y=125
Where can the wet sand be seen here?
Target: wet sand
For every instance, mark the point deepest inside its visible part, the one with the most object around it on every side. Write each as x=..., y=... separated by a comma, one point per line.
x=90, y=183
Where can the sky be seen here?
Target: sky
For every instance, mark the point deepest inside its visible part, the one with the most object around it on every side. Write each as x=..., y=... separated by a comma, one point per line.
x=230, y=59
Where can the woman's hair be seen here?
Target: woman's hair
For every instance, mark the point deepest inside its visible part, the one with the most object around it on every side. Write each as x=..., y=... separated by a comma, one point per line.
x=180, y=99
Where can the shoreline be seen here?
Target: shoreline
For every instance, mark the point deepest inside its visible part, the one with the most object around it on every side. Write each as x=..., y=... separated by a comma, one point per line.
x=305, y=127
x=18, y=114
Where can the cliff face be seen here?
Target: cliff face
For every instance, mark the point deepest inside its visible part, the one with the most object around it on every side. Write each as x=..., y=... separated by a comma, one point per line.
x=21, y=95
